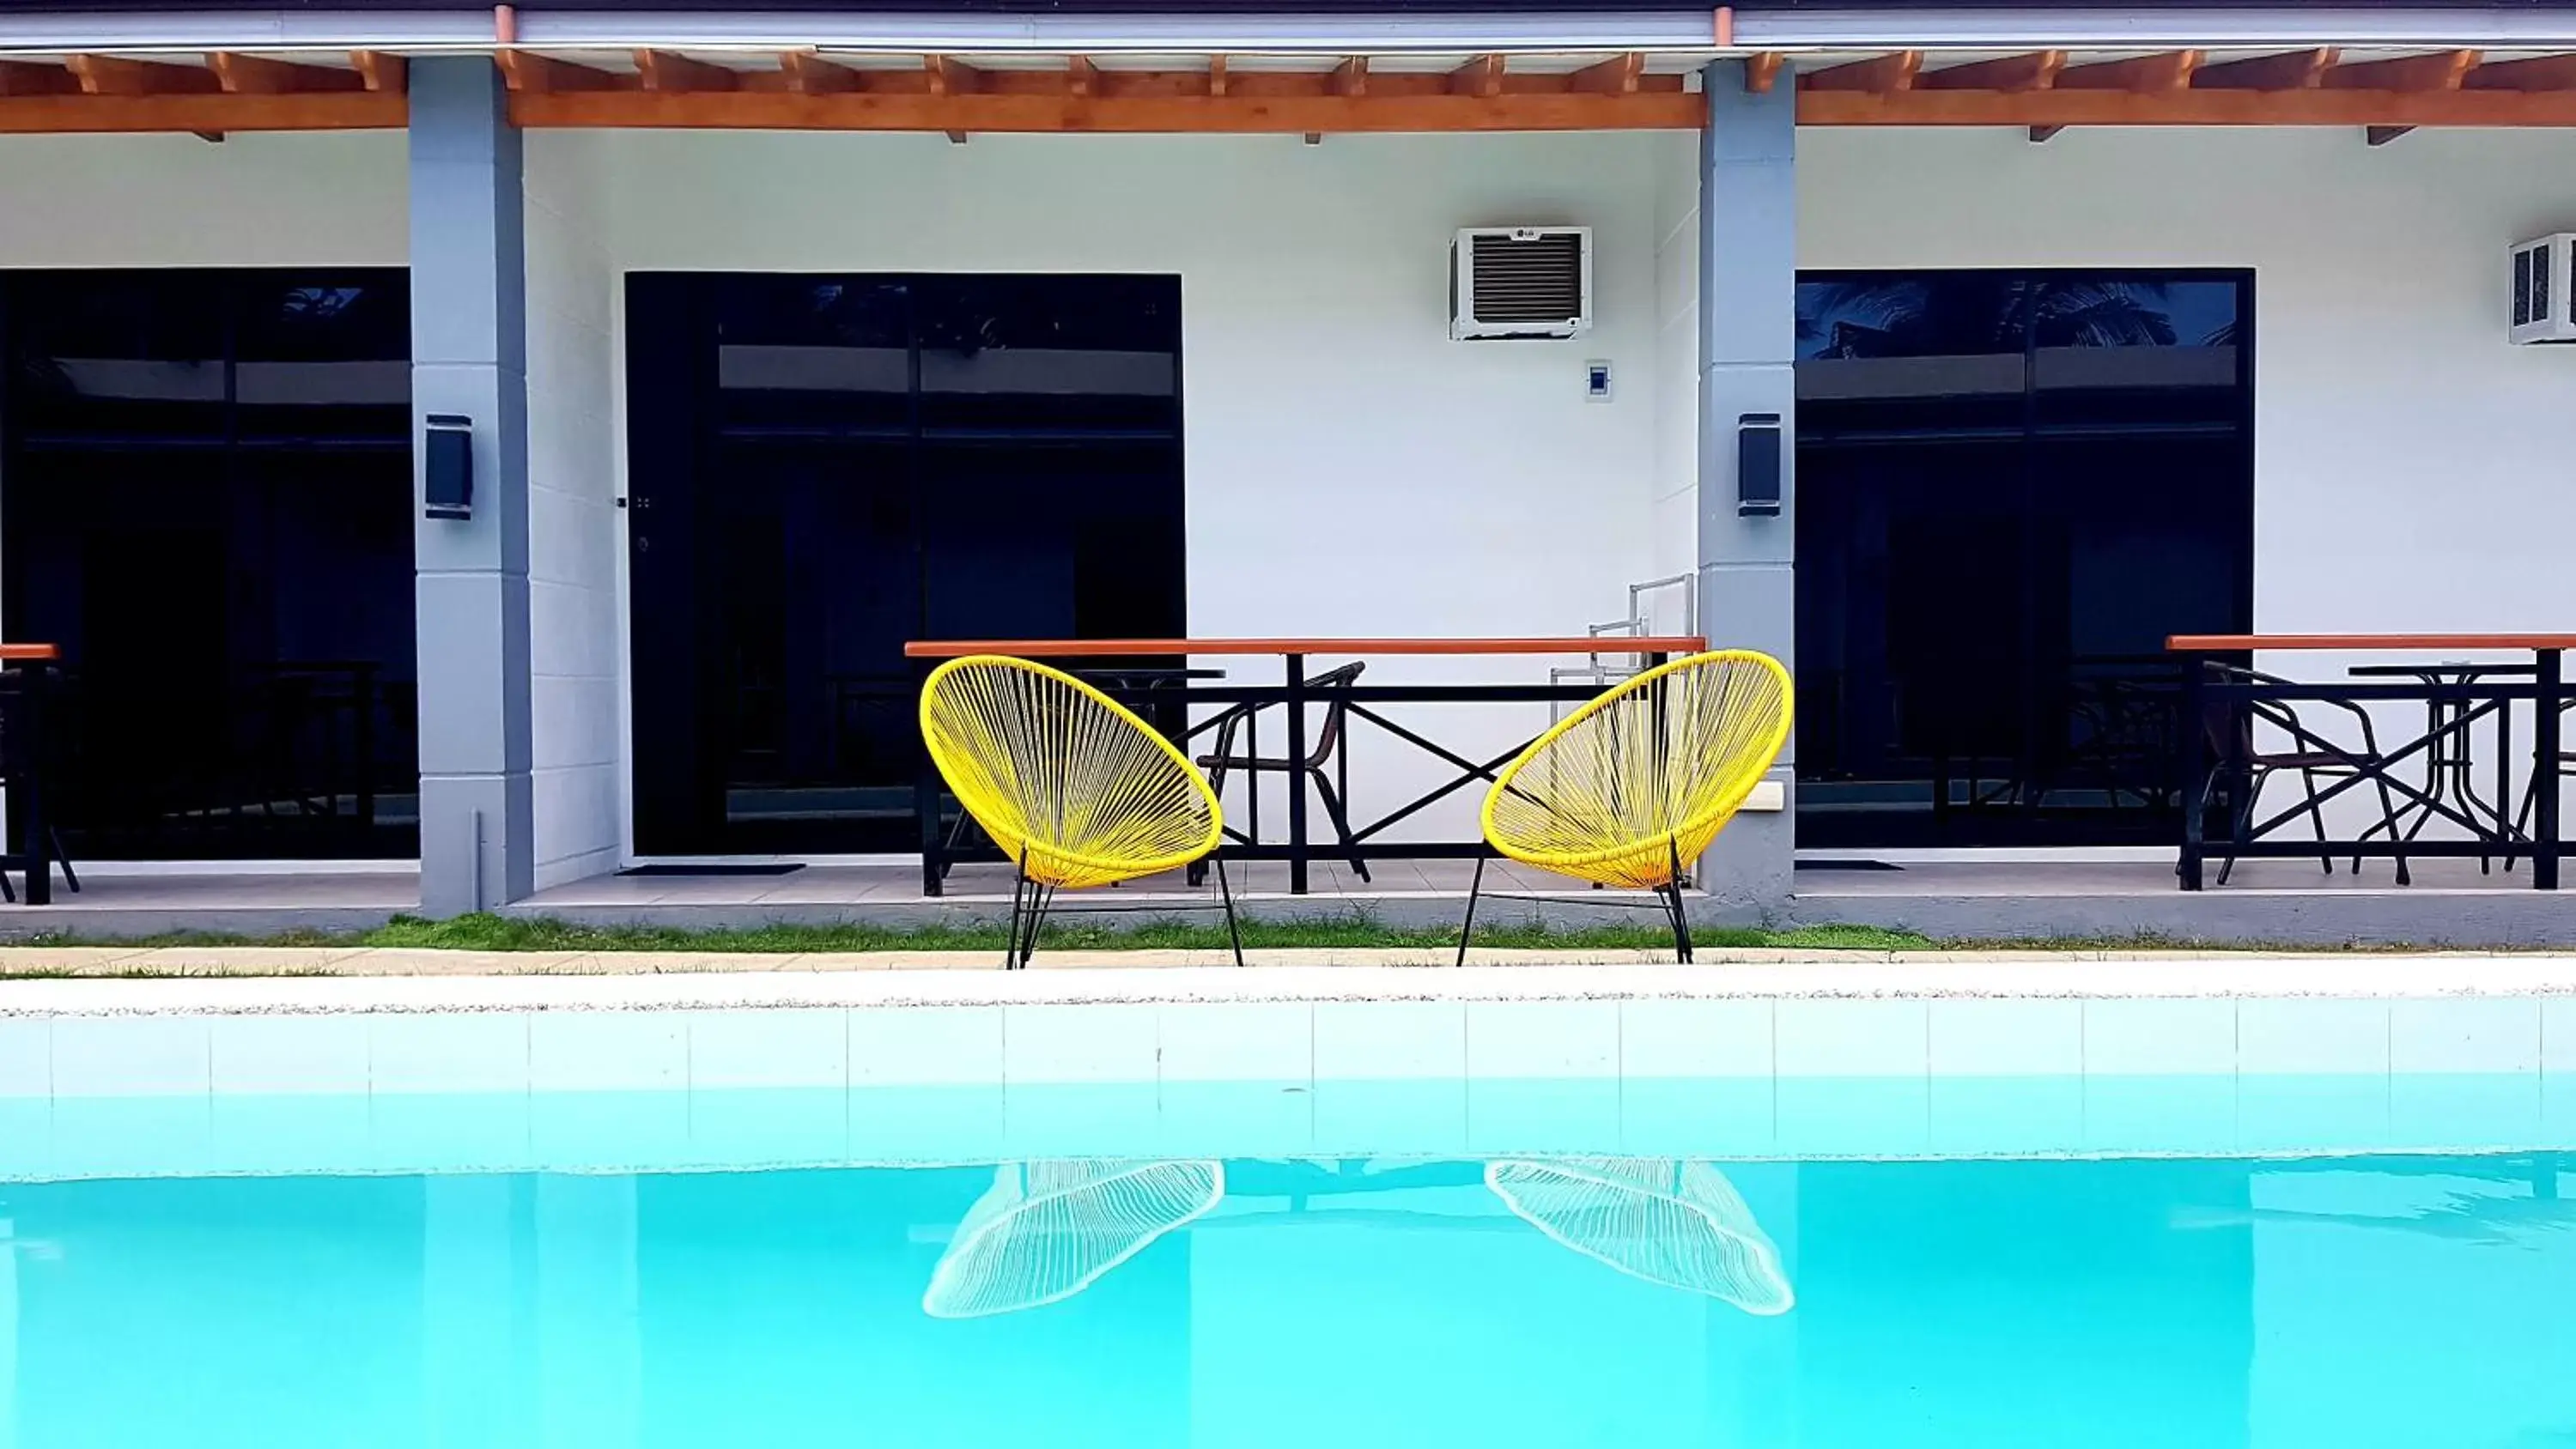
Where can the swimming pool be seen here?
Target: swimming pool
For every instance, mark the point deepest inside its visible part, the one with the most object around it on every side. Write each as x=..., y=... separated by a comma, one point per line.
x=788, y=1212
x=1534, y=1299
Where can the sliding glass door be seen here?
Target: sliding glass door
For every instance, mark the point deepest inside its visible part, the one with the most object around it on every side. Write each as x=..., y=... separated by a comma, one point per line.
x=823, y=468
x=2012, y=486
x=205, y=500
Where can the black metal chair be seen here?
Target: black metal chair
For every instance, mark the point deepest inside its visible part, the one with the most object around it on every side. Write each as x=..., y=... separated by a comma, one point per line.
x=1327, y=764
x=17, y=764
x=2229, y=728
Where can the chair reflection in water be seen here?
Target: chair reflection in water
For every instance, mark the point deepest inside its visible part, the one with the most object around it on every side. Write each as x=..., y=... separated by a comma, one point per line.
x=1046, y=1230
x=1668, y=1221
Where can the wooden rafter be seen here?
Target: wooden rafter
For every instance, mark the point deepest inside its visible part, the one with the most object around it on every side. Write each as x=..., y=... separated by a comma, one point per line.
x=2036, y=71
x=25, y=78
x=810, y=74
x=1216, y=75
x=1350, y=78
x=2537, y=73
x=1616, y=76
x=2141, y=75
x=2440, y=71
x=110, y=75
x=662, y=70
x=1482, y=76
x=380, y=72
x=950, y=78
x=1761, y=69
x=252, y=75
x=1081, y=77
x=2297, y=70
x=1877, y=75
x=528, y=72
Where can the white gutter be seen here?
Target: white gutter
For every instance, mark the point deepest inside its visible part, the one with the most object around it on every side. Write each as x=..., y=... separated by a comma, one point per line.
x=1691, y=30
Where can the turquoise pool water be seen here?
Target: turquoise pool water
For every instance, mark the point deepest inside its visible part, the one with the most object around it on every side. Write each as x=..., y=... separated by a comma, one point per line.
x=1528, y=1299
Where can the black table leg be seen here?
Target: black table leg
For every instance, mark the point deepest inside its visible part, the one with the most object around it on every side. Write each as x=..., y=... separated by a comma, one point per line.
x=2545, y=747
x=925, y=805
x=1296, y=778
x=2195, y=774
x=28, y=783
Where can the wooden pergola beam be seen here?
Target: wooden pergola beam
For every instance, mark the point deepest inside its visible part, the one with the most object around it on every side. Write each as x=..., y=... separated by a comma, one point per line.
x=1480, y=77
x=1237, y=112
x=951, y=78
x=1878, y=75
x=111, y=75
x=810, y=74
x=27, y=78
x=2440, y=71
x=2324, y=106
x=528, y=72
x=1081, y=77
x=212, y=113
x=2140, y=75
x=252, y=75
x=1617, y=76
x=2294, y=71
x=661, y=70
x=2536, y=73
x=2036, y=71
x=1350, y=78
x=1762, y=70
x=1216, y=75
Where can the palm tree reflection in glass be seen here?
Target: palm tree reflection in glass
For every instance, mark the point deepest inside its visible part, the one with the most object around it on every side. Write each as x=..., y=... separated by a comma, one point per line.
x=1668, y=1221
x=1046, y=1230
x=1934, y=315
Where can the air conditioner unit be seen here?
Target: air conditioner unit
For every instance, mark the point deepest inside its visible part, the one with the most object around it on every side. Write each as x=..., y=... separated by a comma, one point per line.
x=2544, y=304
x=1520, y=281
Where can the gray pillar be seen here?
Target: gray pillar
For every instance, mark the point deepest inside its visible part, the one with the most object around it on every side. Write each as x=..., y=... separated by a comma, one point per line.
x=1748, y=277
x=469, y=357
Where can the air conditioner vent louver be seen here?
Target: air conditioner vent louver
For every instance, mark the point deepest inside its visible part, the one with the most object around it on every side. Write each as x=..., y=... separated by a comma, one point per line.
x=1521, y=282
x=2544, y=292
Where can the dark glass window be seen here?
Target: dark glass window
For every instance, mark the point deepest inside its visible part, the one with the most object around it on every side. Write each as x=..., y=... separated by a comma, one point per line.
x=826, y=467
x=206, y=482
x=2012, y=486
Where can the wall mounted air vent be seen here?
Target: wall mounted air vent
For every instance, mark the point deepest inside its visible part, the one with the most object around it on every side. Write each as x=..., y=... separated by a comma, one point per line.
x=2542, y=296
x=1520, y=281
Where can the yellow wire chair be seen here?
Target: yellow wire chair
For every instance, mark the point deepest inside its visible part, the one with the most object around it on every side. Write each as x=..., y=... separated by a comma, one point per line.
x=1072, y=786
x=1631, y=788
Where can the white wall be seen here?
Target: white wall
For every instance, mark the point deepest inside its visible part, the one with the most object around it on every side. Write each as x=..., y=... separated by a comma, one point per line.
x=319, y=198
x=575, y=655
x=1351, y=471
x=2411, y=467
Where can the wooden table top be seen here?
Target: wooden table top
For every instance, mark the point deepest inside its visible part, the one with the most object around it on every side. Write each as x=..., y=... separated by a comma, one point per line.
x=1090, y=648
x=2229, y=643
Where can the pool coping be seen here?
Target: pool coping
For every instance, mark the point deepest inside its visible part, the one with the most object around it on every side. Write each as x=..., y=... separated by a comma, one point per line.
x=687, y=981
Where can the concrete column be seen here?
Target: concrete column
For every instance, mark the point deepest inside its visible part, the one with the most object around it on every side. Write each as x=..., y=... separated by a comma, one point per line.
x=1748, y=277
x=469, y=357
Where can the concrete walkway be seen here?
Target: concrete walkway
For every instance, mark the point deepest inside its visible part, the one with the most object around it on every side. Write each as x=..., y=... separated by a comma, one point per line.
x=234, y=980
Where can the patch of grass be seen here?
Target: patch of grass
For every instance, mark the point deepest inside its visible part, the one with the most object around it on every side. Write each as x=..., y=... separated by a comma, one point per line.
x=486, y=932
